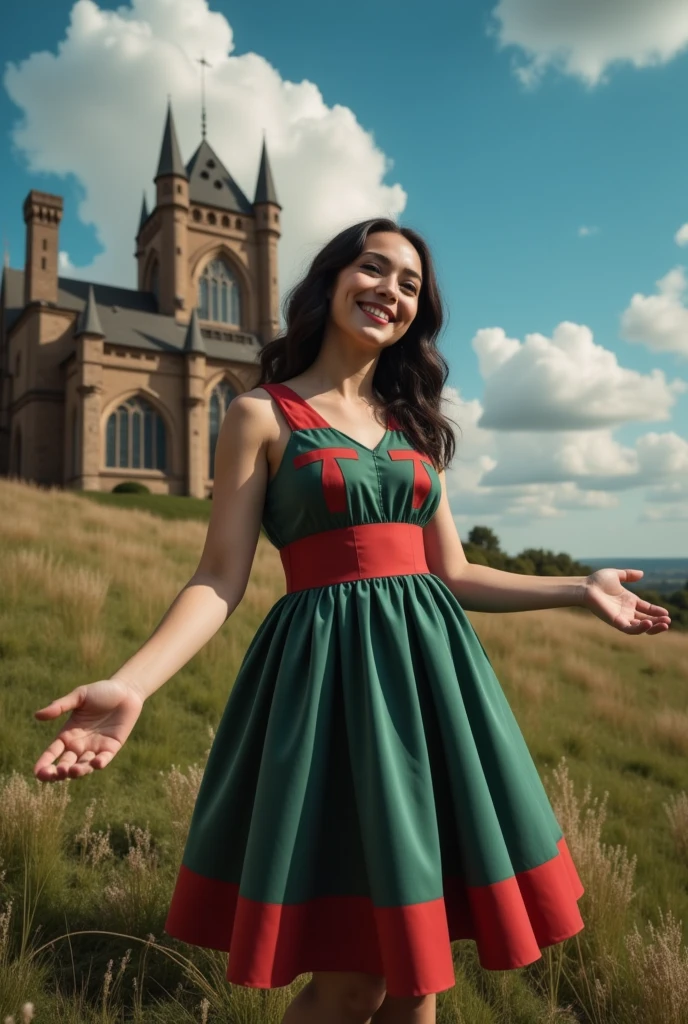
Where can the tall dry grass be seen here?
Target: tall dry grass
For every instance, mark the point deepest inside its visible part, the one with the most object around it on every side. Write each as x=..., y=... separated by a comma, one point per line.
x=87, y=866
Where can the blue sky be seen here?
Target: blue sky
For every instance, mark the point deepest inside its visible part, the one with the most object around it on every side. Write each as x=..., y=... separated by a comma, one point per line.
x=542, y=155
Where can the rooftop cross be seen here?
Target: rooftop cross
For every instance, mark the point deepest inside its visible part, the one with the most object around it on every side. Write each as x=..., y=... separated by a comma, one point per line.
x=204, y=64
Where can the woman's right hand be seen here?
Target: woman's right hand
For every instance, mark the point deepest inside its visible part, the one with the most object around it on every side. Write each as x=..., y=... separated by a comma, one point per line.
x=103, y=715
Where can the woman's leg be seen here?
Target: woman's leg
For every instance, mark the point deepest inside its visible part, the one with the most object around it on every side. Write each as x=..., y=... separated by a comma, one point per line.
x=407, y=1010
x=338, y=997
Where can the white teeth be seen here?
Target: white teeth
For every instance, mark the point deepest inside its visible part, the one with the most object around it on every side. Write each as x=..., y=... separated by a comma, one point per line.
x=376, y=312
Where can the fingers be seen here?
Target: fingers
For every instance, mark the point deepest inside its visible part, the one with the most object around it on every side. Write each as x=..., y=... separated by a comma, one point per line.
x=70, y=765
x=48, y=756
x=67, y=703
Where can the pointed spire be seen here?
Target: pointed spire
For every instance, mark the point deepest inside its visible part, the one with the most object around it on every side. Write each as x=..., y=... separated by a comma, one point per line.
x=265, y=189
x=89, y=321
x=170, y=158
x=194, y=339
x=144, y=211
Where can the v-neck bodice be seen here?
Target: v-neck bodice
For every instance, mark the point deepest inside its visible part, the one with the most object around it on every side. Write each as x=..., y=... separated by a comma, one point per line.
x=389, y=420
x=326, y=479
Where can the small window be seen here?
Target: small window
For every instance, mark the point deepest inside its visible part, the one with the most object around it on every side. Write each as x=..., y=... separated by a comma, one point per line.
x=43, y=263
x=179, y=188
x=45, y=244
x=210, y=163
x=212, y=219
x=238, y=223
x=217, y=183
x=204, y=174
x=196, y=215
x=225, y=222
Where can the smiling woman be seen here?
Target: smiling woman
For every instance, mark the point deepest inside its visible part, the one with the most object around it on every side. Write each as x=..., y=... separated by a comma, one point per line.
x=368, y=797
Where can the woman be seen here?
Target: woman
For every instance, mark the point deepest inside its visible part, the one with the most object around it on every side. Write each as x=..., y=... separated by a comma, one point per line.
x=368, y=797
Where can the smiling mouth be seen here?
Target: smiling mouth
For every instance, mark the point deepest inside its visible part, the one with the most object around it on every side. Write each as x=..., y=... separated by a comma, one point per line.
x=375, y=319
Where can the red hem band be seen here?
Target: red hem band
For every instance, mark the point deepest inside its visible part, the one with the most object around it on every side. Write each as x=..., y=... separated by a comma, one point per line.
x=270, y=944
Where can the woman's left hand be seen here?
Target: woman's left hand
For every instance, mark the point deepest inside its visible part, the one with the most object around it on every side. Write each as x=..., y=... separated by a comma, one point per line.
x=605, y=597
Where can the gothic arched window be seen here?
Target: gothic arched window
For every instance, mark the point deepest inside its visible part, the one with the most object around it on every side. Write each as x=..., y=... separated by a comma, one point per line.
x=135, y=436
x=222, y=394
x=219, y=297
x=155, y=281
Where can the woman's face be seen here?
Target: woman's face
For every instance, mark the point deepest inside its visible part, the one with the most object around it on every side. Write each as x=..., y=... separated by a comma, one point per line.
x=387, y=275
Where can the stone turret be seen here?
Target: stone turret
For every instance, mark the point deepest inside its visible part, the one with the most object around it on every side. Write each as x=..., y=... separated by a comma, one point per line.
x=172, y=208
x=266, y=209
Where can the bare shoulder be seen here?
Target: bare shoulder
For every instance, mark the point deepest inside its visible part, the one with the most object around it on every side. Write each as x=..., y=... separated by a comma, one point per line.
x=252, y=413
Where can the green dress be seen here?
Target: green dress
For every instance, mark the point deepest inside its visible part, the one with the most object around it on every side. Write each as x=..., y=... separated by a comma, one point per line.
x=369, y=797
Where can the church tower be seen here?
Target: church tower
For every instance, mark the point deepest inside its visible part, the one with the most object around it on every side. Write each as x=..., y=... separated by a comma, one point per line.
x=206, y=246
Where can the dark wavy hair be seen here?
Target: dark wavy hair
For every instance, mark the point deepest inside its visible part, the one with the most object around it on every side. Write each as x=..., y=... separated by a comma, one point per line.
x=410, y=374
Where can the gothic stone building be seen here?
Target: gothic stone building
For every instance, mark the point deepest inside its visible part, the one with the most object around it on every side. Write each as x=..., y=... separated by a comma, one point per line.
x=100, y=384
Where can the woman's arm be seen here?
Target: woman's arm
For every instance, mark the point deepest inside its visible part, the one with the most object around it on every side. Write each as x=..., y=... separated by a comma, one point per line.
x=218, y=584
x=481, y=588
x=484, y=589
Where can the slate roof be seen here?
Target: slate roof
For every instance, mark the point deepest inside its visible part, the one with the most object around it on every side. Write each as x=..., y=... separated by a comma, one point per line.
x=211, y=184
x=130, y=318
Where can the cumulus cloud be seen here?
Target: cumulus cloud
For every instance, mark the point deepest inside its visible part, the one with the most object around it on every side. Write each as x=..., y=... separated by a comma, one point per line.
x=65, y=267
x=517, y=476
x=566, y=382
x=95, y=109
x=667, y=502
x=660, y=321
x=584, y=230
x=585, y=38
x=681, y=236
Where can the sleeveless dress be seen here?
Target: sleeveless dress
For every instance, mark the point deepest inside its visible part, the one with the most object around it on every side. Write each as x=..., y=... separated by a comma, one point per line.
x=368, y=797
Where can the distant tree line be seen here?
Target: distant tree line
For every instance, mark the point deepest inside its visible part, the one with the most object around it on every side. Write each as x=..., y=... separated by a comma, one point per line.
x=482, y=548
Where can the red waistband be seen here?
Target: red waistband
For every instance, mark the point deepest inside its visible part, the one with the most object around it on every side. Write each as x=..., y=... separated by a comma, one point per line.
x=353, y=553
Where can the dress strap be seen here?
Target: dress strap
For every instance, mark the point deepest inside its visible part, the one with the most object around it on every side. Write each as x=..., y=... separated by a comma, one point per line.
x=299, y=414
x=296, y=410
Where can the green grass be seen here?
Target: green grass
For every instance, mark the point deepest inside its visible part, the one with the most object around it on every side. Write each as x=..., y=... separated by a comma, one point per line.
x=578, y=688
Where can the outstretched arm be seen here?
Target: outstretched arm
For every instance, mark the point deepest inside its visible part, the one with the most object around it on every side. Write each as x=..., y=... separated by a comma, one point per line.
x=482, y=588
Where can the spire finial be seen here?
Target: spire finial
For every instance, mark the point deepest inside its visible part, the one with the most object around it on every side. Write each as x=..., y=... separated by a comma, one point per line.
x=204, y=64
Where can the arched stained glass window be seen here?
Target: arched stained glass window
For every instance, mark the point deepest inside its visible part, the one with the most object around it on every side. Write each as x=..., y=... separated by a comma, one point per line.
x=219, y=297
x=222, y=394
x=135, y=436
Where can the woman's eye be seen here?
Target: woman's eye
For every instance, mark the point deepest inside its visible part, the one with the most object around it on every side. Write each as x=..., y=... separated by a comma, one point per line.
x=373, y=266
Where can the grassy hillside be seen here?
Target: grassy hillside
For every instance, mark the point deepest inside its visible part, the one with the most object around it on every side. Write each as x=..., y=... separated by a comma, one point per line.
x=82, y=585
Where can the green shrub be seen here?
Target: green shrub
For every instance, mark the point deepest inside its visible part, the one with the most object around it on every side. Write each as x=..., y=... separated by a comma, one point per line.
x=130, y=487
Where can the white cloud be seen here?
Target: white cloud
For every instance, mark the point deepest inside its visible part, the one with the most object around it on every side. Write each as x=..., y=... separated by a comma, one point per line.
x=566, y=382
x=585, y=38
x=660, y=321
x=667, y=502
x=585, y=230
x=681, y=236
x=96, y=109
x=65, y=267
x=520, y=476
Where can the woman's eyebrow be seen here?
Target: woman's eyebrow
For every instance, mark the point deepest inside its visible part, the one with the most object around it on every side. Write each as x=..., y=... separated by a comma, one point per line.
x=387, y=260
